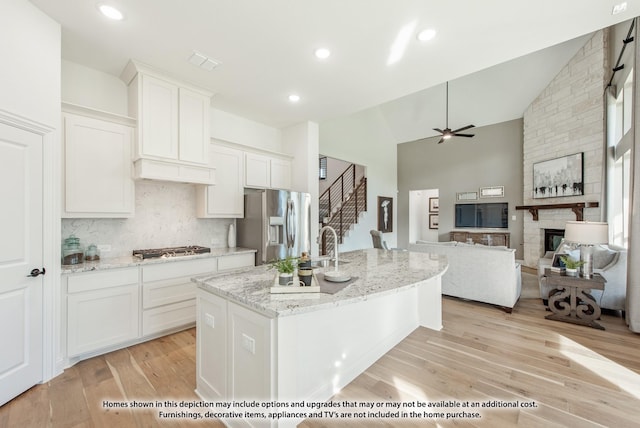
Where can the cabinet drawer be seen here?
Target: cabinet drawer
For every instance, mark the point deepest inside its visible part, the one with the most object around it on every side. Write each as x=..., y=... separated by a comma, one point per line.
x=178, y=269
x=236, y=261
x=167, y=317
x=158, y=293
x=89, y=281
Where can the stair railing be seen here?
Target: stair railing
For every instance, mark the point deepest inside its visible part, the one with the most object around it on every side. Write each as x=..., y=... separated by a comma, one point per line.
x=346, y=216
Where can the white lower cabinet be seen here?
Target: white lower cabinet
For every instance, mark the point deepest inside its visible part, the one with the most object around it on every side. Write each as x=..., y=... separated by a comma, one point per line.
x=234, y=354
x=102, y=309
x=169, y=295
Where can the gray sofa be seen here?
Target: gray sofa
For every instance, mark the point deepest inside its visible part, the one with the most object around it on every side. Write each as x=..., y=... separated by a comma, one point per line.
x=478, y=272
x=609, y=261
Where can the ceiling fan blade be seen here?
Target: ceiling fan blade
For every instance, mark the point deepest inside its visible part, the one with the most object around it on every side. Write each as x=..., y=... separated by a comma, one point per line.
x=464, y=135
x=441, y=141
x=464, y=128
x=439, y=130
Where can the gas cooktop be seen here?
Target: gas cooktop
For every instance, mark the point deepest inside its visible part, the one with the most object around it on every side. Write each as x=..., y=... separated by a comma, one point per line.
x=189, y=250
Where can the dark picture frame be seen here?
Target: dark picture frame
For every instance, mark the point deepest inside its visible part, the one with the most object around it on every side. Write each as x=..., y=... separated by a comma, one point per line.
x=559, y=177
x=434, y=205
x=385, y=214
x=433, y=221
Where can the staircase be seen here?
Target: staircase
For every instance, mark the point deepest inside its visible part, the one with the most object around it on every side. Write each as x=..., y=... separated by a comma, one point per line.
x=341, y=205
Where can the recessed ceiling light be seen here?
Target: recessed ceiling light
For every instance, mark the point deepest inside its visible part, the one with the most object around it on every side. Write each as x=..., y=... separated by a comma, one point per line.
x=111, y=12
x=426, y=35
x=619, y=8
x=322, y=53
x=294, y=98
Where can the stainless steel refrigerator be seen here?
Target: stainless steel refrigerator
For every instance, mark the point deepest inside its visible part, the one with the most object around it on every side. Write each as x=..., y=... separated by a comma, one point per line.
x=276, y=222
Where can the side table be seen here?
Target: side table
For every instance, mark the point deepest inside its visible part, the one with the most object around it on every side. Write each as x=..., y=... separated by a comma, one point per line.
x=570, y=299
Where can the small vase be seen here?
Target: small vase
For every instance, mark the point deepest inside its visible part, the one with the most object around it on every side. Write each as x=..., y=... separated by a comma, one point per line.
x=572, y=272
x=231, y=239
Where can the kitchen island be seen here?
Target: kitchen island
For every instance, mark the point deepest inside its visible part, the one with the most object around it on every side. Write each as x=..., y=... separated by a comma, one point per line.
x=254, y=345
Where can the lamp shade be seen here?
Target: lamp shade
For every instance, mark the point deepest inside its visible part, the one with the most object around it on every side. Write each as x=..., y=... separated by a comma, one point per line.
x=587, y=232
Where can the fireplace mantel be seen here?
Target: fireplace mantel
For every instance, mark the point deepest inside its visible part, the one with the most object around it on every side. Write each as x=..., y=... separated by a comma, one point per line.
x=577, y=208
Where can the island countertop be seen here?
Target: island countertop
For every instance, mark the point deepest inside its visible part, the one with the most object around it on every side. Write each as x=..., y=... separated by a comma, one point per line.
x=375, y=272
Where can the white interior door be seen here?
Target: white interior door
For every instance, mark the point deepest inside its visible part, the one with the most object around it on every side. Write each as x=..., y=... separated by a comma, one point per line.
x=21, y=246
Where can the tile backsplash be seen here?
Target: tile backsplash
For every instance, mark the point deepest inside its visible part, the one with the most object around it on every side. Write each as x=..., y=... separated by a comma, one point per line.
x=165, y=216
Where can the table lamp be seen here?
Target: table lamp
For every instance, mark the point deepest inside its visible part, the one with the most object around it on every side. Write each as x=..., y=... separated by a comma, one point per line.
x=587, y=234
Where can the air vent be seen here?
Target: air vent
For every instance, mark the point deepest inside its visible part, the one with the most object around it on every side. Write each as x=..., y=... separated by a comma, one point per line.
x=203, y=61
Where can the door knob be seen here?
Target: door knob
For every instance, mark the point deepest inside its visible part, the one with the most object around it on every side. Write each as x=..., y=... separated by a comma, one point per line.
x=36, y=272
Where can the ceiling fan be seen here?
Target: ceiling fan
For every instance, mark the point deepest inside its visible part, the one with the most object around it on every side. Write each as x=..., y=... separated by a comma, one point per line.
x=447, y=132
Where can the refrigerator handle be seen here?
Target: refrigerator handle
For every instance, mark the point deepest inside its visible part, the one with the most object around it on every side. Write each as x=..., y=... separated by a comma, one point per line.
x=291, y=226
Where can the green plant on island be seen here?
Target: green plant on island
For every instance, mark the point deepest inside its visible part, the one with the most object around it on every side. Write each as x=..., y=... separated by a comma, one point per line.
x=571, y=263
x=287, y=266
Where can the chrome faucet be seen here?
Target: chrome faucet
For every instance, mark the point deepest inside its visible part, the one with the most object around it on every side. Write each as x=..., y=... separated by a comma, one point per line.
x=335, y=239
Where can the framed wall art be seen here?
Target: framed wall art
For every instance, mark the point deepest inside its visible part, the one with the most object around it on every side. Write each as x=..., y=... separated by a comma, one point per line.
x=558, y=177
x=492, y=192
x=385, y=214
x=466, y=196
x=433, y=221
x=434, y=205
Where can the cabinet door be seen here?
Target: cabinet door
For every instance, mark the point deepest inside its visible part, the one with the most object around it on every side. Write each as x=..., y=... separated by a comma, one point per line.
x=211, y=347
x=249, y=341
x=226, y=198
x=280, y=174
x=101, y=318
x=257, y=170
x=194, y=127
x=98, y=177
x=158, y=118
x=459, y=236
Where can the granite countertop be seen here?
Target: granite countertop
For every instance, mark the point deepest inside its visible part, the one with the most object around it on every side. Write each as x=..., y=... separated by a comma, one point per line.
x=377, y=272
x=129, y=261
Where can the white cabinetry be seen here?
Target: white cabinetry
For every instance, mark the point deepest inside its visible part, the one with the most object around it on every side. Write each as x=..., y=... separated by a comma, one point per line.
x=265, y=171
x=173, y=126
x=168, y=294
x=226, y=198
x=234, y=351
x=97, y=177
x=102, y=309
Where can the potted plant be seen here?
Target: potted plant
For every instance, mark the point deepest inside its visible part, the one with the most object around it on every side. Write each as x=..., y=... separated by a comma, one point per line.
x=571, y=265
x=286, y=268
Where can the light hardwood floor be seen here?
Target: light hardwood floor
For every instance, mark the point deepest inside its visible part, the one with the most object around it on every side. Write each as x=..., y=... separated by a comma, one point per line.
x=577, y=376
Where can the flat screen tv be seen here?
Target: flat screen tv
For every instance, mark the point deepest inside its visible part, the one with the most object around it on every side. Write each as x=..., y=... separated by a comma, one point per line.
x=489, y=215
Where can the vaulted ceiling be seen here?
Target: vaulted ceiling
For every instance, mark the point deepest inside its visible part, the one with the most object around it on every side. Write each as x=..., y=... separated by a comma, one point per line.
x=266, y=52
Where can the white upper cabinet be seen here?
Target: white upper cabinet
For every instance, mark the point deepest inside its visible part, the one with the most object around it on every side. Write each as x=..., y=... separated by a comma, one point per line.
x=265, y=171
x=194, y=126
x=173, y=126
x=158, y=119
x=97, y=171
x=226, y=199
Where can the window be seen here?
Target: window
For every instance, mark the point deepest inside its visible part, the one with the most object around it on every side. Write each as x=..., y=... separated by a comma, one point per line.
x=323, y=168
x=619, y=143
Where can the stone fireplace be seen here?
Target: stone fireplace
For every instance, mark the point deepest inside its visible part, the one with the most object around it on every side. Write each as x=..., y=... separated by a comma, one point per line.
x=566, y=118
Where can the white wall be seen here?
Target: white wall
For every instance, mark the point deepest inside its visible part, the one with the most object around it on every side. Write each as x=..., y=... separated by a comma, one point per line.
x=419, y=216
x=365, y=139
x=301, y=141
x=235, y=129
x=30, y=95
x=30, y=72
x=92, y=88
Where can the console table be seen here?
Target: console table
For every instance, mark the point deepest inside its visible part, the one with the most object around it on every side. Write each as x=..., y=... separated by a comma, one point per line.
x=571, y=301
x=492, y=237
